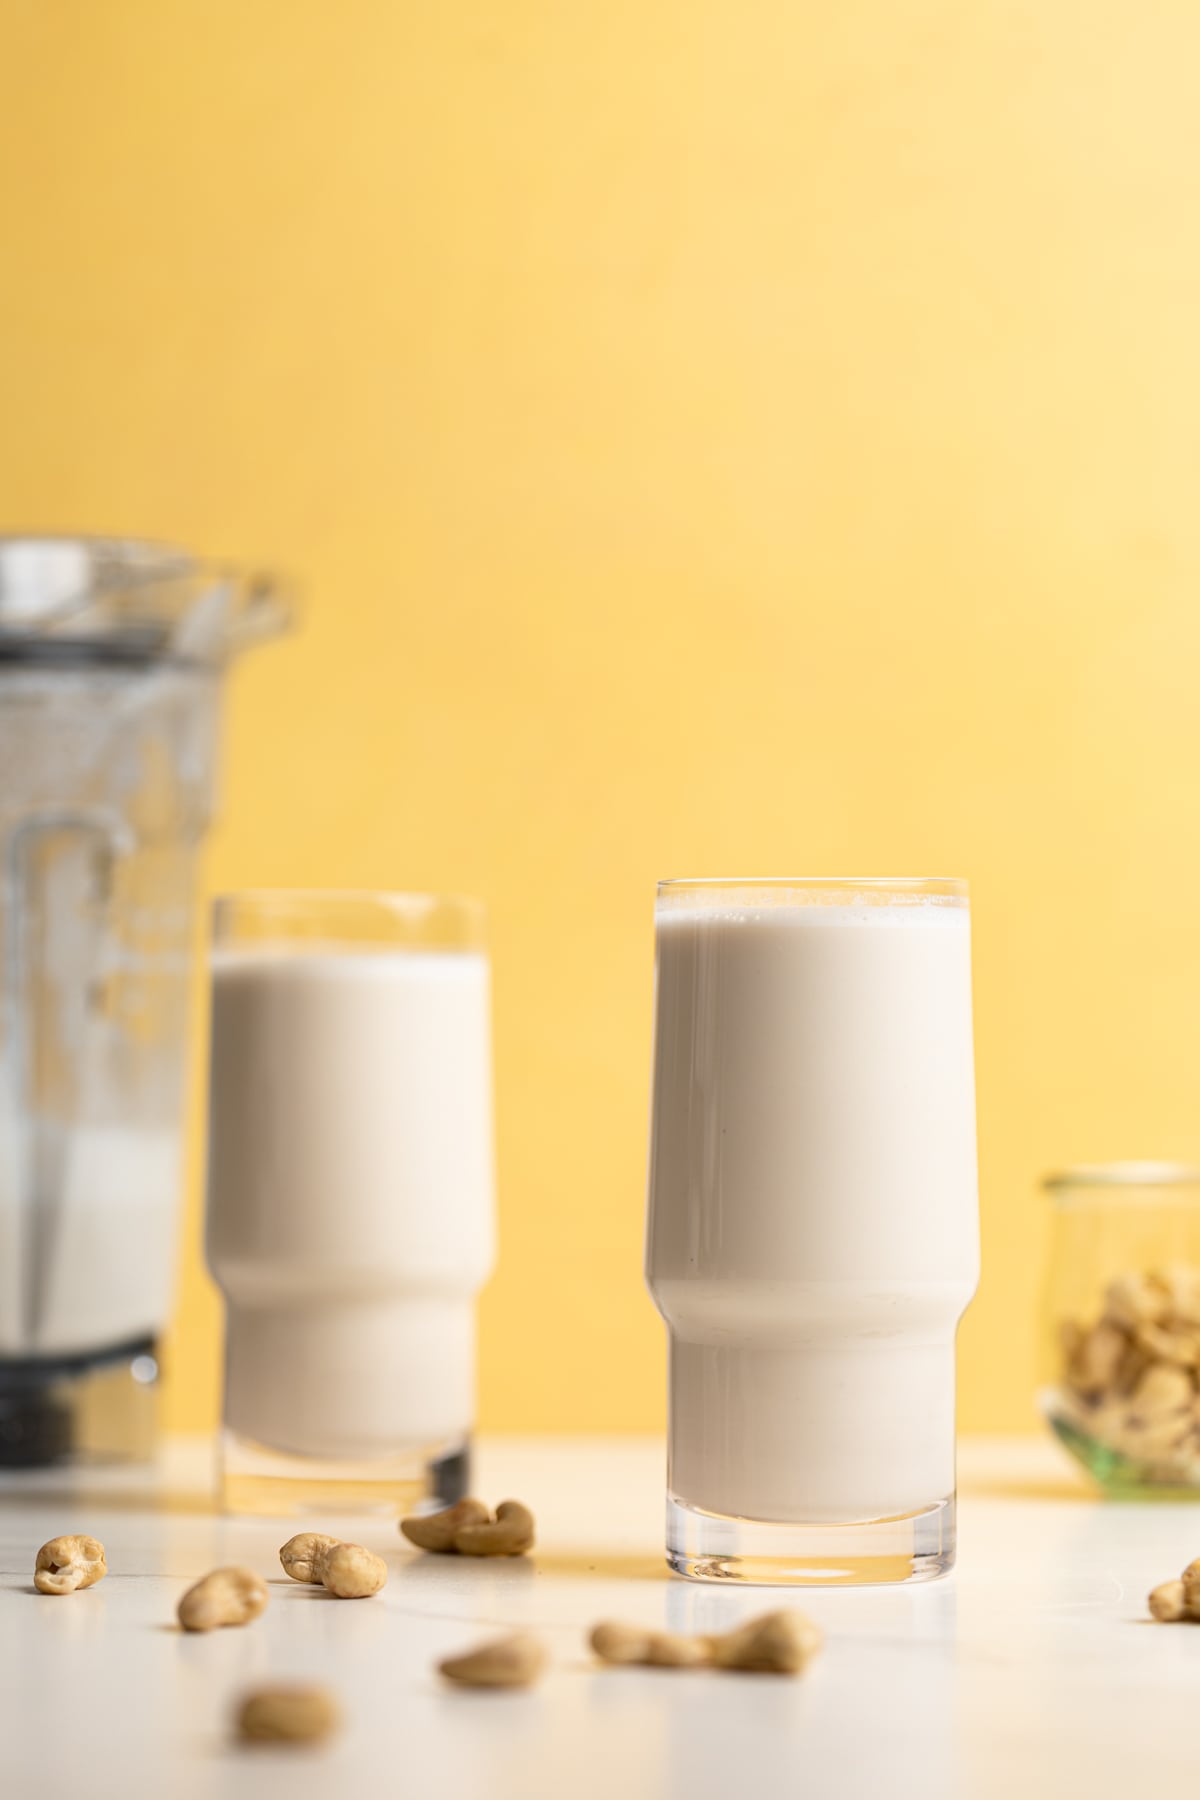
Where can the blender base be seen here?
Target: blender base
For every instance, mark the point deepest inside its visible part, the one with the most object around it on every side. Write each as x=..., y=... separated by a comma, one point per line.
x=102, y=1407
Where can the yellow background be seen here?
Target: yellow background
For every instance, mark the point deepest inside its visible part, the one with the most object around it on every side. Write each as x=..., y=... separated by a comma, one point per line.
x=713, y=438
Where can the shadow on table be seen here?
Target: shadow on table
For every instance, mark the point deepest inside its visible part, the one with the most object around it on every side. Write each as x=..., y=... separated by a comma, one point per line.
x=1016, y=1486
x=629, y=1566
x=77, y=1490
x=576, y=1565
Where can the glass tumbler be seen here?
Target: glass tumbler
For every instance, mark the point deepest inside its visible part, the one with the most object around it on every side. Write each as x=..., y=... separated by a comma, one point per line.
x=350, y=1194
x=1121, y=1344
x=813, y=1222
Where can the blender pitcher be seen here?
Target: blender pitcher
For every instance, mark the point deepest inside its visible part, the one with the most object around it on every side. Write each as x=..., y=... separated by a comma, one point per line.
x=111, y=657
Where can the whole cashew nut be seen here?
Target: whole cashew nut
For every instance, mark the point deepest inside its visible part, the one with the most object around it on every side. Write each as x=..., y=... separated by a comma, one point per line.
x=512, y=1662
x=68, y=1563
x=1167, y=1603
x=348, y=1571
x=304, y=1555
x=293, y=1715
x=615, y=1643
x=351, y=1573
x=778, y=1643
x=1191, y=1589
x=232, y=1596
x=437, y=1531
x=510, y=1533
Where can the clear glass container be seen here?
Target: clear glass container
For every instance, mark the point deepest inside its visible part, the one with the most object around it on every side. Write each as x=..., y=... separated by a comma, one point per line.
x=350, y=1195
x=813, y=1230
x=1121, y=1318
x=111, y=662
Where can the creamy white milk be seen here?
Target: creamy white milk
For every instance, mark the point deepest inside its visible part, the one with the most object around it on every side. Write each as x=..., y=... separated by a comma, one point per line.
x=813, y=1235
x=350, y=1194
x=87, y=1264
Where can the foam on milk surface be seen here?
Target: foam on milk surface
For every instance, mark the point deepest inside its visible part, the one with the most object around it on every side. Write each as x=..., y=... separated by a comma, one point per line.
x=917, y=914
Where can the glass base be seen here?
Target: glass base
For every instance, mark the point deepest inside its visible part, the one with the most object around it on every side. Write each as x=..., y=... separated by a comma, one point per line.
x=710, y=1547
x=255, y=1479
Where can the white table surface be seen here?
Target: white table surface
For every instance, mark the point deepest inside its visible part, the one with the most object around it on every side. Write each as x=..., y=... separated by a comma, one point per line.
x=1031, y=1671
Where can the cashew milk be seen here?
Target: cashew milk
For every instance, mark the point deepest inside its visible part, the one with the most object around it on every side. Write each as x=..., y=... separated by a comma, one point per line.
x=813, y=1234
x=350, y=1194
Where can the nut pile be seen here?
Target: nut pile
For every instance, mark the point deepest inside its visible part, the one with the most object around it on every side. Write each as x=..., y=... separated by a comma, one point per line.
x=1178, y=1600
x=469, y=1529
x=1131, y=1375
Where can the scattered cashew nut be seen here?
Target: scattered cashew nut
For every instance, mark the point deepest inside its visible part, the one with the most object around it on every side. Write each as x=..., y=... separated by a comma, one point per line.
x=352, y=1573
x=304, y=1555
x=288, y=1715
x=1191, y=1588
x=777, y=1643
x=232, y=1596
x=510, y=1533
x=437, y=1531
x=1167, y=1604
x=507, y=1662
x=1175, y=1600
x=68, y=1563
x=616, y=1643
x=469, y=1529
x=347, y=1571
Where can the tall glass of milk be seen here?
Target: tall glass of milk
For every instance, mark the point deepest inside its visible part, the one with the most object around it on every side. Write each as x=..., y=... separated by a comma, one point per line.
x=350, y=1193
x=813, y=1222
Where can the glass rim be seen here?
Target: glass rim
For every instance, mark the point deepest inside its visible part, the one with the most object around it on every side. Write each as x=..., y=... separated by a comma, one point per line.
x=947, y=887
x=407, y=904
x=66, y=626
x=141, y=560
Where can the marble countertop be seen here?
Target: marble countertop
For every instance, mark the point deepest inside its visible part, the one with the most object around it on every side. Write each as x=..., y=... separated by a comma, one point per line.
x=1032, y=1670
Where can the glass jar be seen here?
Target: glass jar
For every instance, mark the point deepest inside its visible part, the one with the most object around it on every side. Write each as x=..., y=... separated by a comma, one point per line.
x=1121, y=1349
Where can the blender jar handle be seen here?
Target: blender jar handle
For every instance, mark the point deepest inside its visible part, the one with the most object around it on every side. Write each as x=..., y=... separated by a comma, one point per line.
x=53, y=961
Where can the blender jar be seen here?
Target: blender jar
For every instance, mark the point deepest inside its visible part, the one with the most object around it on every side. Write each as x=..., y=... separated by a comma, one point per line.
x=111, y=656
x=1121, y=1347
